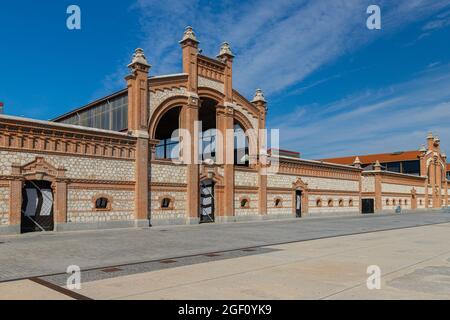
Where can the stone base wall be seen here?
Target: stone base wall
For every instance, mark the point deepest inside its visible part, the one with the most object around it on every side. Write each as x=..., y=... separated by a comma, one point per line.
x=81, y=205
x=252, y=208
x=341, y=205
x=177, y=210
x=4, y=205
x=286, y=206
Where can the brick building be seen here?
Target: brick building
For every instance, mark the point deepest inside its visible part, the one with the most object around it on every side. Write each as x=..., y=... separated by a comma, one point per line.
x=125, y=160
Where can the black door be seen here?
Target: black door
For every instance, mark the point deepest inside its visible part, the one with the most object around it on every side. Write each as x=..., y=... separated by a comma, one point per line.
x=368, y=206
x=37, y=207
x=206, y=201
x=298, y=203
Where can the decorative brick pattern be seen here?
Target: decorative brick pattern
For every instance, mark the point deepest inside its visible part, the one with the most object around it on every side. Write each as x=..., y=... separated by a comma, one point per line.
x=368, y=184
x=4, y=205
x=208, y=83
x=248, y=115
x=286, y=181
x=81, y=206
x=399, y=188
x=77, y=167
x=159, y=96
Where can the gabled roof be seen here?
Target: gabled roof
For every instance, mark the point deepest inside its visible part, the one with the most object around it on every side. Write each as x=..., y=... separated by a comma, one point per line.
x=382, y=157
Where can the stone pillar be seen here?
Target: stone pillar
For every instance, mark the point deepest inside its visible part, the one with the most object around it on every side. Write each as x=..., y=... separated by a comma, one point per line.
x=189, y=46
x=260, y=103
x=15, y=203
x=191, y=159
x=378, y=188
x=413, y=199
x=138, y=125
x=60, y=203
x=227, y=123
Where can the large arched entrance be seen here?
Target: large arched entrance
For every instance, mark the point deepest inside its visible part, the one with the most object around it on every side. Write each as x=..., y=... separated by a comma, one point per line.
x=37, y=207
x=167, y=134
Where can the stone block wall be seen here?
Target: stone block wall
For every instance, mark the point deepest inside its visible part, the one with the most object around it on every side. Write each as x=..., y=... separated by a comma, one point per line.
x=168, y=173
x=4, y=205
x=81, y=205
x=368, y=184
x=252, y=208
x=341, y=204
x=86, y=168
x=177, y=209
x=245, y=178
x=285, y=207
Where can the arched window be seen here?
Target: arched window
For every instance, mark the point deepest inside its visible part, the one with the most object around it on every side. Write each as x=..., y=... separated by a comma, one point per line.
x=387, y=202
x=400, y=202
x=420, y=202
x=406, y=202
x=394, y=202
x=350, y=203
x=245, y=203
x=102, y=203
x=330, y=202
x=278, y=203
x=168, y=147
x=207, y=116
x=341, y=202
x=318, y=203
x=241, y=151
x=167, y=203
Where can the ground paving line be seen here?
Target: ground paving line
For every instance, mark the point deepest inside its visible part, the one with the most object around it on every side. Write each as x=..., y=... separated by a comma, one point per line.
x=62, y=290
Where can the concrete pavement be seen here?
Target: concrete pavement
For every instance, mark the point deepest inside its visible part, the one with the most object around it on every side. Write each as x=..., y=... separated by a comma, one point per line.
x=40, y=254
x=414, y=263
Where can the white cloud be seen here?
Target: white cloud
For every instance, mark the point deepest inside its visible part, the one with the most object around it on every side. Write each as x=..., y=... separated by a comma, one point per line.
x=277, y=43
x=393, y=118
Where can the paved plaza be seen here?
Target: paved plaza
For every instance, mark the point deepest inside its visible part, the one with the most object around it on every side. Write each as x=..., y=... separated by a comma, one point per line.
x=294, y=259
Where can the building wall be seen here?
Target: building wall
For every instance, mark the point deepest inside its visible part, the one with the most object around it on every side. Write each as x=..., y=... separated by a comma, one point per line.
x=4, y=205
x=81, y=207
x=246, y=183
x=368, y=184
x=285, y=208
x=343, y=193
x=167, y=180
x=78, y=167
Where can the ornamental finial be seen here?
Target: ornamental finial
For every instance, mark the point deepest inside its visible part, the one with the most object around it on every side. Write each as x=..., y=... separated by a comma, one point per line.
x=259, y=96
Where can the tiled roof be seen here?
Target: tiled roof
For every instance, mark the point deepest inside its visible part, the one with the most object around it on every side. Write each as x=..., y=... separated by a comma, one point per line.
x=382, y=157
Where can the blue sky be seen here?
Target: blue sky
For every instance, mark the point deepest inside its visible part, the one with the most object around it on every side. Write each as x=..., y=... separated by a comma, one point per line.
x=334, y=87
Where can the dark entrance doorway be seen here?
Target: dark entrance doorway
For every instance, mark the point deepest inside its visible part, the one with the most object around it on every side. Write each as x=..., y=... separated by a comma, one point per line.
x=298, y=203
x=37, y=207
x=368, y=206
x=207, y=201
